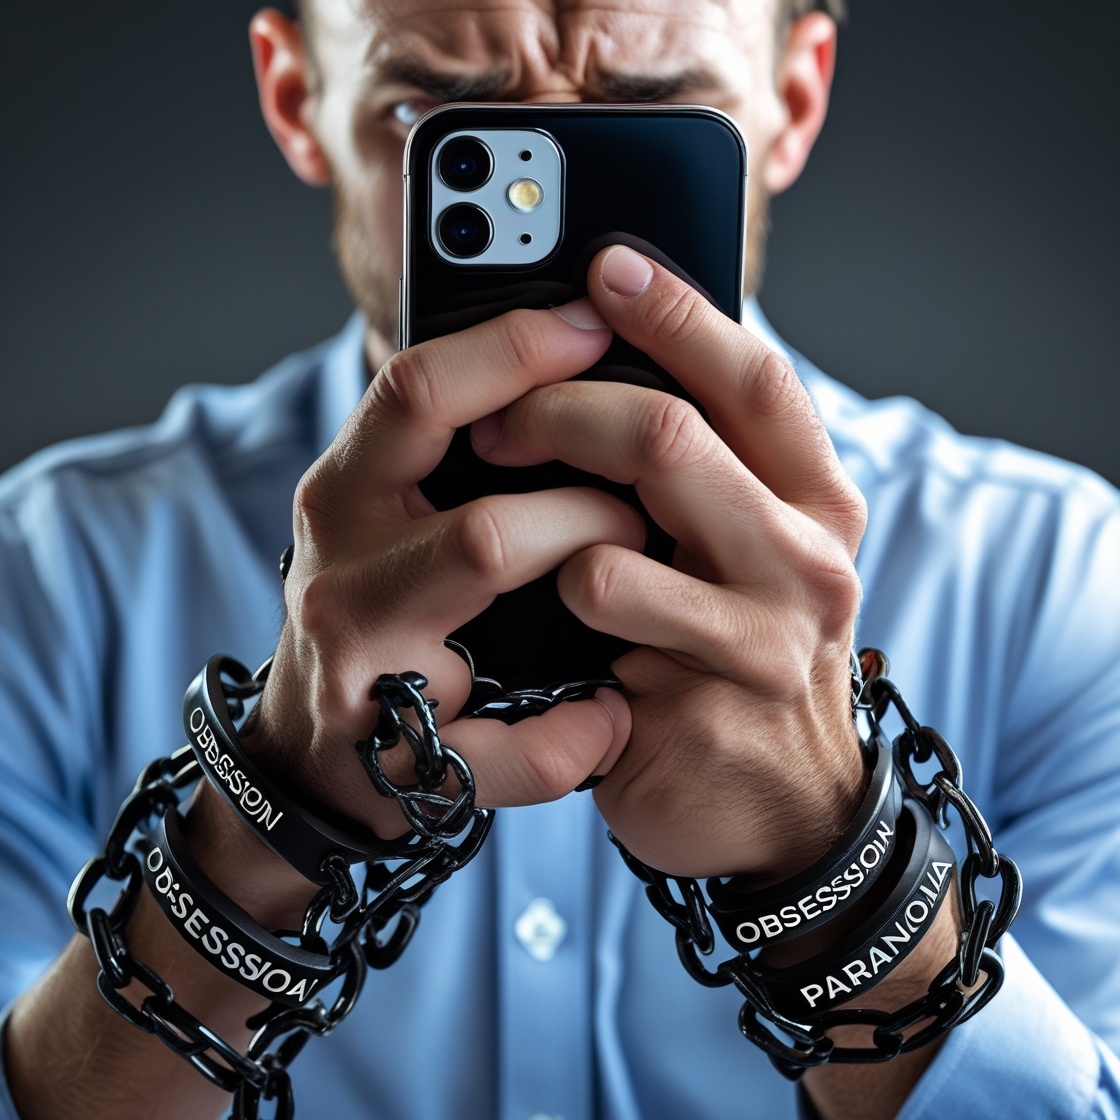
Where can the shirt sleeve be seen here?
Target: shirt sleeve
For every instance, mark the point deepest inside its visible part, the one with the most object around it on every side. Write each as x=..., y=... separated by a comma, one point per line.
x=1046, y=1045
x=50, y=733
x=1025, y=1055
x=48, y=747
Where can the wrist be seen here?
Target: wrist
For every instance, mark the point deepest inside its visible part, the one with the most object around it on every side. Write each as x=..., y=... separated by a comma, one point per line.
x=912, y=978
x=817, y=814
x=241, y=865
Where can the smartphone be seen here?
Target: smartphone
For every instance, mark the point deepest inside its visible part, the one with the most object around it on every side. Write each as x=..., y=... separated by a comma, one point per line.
x=505, y=206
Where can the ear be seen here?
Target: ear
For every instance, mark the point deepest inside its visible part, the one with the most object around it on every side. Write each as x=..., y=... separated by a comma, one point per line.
x=804, y=79
x=286, y=85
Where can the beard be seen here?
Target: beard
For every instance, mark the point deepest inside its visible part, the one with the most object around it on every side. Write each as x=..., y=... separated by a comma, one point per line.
x=758, y=230
x=366, y=265
x=369, y=276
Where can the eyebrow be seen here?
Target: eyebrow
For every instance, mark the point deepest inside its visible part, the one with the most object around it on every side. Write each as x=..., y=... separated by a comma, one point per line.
x=489, y=85
x=442, y=85
x=651, y=87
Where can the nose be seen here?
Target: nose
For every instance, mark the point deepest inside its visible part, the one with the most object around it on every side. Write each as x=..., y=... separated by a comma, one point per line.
x=564, y=94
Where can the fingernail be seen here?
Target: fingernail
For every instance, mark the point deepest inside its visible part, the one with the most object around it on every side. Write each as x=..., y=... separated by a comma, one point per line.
x=625, y=272
x=486, y=433
x=581, y=313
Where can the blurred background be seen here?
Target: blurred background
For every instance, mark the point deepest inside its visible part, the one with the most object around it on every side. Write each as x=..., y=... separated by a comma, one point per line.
x=956, y=236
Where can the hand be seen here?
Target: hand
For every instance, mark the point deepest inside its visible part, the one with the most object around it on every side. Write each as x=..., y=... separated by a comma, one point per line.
x=379, y=578
x=743, y=756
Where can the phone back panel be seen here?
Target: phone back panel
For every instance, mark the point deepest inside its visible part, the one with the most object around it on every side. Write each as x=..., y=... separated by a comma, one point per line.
x=668, y=180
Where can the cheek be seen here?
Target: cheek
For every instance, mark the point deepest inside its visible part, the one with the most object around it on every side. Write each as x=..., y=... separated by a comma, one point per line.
x=386, y=216
x=366, y=161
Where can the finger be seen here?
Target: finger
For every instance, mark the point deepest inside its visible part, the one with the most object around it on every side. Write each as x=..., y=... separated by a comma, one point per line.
x=402, y=426
x=724, y=631
x=687, y=478
x=491, y=545
x=750, y=392
x=545, y=757
x=633, y=597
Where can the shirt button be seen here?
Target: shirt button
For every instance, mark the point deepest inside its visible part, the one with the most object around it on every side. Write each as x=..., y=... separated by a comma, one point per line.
x=540, y=930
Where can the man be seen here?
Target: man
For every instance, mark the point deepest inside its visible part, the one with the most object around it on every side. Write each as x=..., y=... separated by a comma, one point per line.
x=540, y=983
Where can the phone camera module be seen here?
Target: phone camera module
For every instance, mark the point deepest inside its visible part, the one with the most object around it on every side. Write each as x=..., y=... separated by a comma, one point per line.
x=465, y=164
x=465, y=230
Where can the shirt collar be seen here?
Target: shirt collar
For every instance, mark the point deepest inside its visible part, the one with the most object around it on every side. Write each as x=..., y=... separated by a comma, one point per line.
x=345, y=377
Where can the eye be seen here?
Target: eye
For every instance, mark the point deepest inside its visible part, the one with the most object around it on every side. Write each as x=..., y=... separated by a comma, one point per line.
x=409, y=111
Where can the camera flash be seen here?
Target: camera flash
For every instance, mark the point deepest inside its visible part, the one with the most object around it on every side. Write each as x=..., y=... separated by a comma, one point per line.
x=525, y=195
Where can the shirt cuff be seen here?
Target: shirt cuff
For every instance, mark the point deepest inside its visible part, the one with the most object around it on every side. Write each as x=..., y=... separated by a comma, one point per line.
x=1025, y=1047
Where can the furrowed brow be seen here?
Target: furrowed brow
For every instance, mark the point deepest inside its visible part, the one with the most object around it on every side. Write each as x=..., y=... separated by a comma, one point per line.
x=650, y=87
x=444, y=86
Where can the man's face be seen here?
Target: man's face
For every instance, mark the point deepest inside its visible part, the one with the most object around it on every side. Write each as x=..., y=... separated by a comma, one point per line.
x=382, y=63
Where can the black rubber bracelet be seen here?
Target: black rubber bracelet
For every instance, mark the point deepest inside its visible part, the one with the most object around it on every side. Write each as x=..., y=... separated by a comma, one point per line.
x=220, y=931
x=296, y=835
x=915, y=884
x=751, y=920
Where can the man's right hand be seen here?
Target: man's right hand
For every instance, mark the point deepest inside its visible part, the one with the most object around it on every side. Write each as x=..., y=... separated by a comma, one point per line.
x=380, y=578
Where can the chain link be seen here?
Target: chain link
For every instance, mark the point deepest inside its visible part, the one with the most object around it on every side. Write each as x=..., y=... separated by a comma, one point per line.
x=376, y=921
x=948, y=1000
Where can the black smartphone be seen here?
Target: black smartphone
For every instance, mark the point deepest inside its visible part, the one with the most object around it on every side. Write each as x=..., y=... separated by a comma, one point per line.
x=505, y=206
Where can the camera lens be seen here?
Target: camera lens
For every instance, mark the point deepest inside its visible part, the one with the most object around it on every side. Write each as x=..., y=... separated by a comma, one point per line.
x=465, y=230
x=465, y=164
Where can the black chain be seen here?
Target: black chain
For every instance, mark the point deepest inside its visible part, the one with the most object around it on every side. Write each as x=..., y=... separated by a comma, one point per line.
x=376, y=921
x=946, y=1002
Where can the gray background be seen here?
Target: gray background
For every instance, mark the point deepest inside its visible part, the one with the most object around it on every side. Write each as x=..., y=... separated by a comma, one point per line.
x=954, y=238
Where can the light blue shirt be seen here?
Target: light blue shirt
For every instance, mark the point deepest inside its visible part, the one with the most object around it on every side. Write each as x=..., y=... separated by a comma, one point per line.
x=541, y=984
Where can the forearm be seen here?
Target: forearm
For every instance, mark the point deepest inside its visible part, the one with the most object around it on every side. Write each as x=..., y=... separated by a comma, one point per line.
x=878, y=1092
x=68, y=1053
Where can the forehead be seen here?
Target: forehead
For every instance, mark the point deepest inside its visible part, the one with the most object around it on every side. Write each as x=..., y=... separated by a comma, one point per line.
x=650, y=36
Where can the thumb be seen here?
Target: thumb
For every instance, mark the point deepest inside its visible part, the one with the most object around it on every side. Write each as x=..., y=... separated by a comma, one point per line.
x=545, y=757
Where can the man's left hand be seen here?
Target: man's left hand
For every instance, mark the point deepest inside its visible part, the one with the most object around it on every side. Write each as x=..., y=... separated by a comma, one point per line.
x=743, y=756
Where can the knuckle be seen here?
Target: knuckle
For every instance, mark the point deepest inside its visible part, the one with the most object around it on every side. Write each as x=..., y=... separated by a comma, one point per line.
x=481, y=542
x=556, y=768
x=838, y=593
x=673, y=434
x=772, y=386
x=676, y=319
x=314, y=503
x=852, y=516
x=523, y=340
x=554, y=773
x=405, y=386
x=854, y=505
x=599, y=579
x=844, y=509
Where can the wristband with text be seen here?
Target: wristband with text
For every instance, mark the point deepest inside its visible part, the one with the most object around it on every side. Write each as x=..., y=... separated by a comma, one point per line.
x=220, y=931
x=914, y=885
x=298, y=836
x=751, y=919
x=791, y=1011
